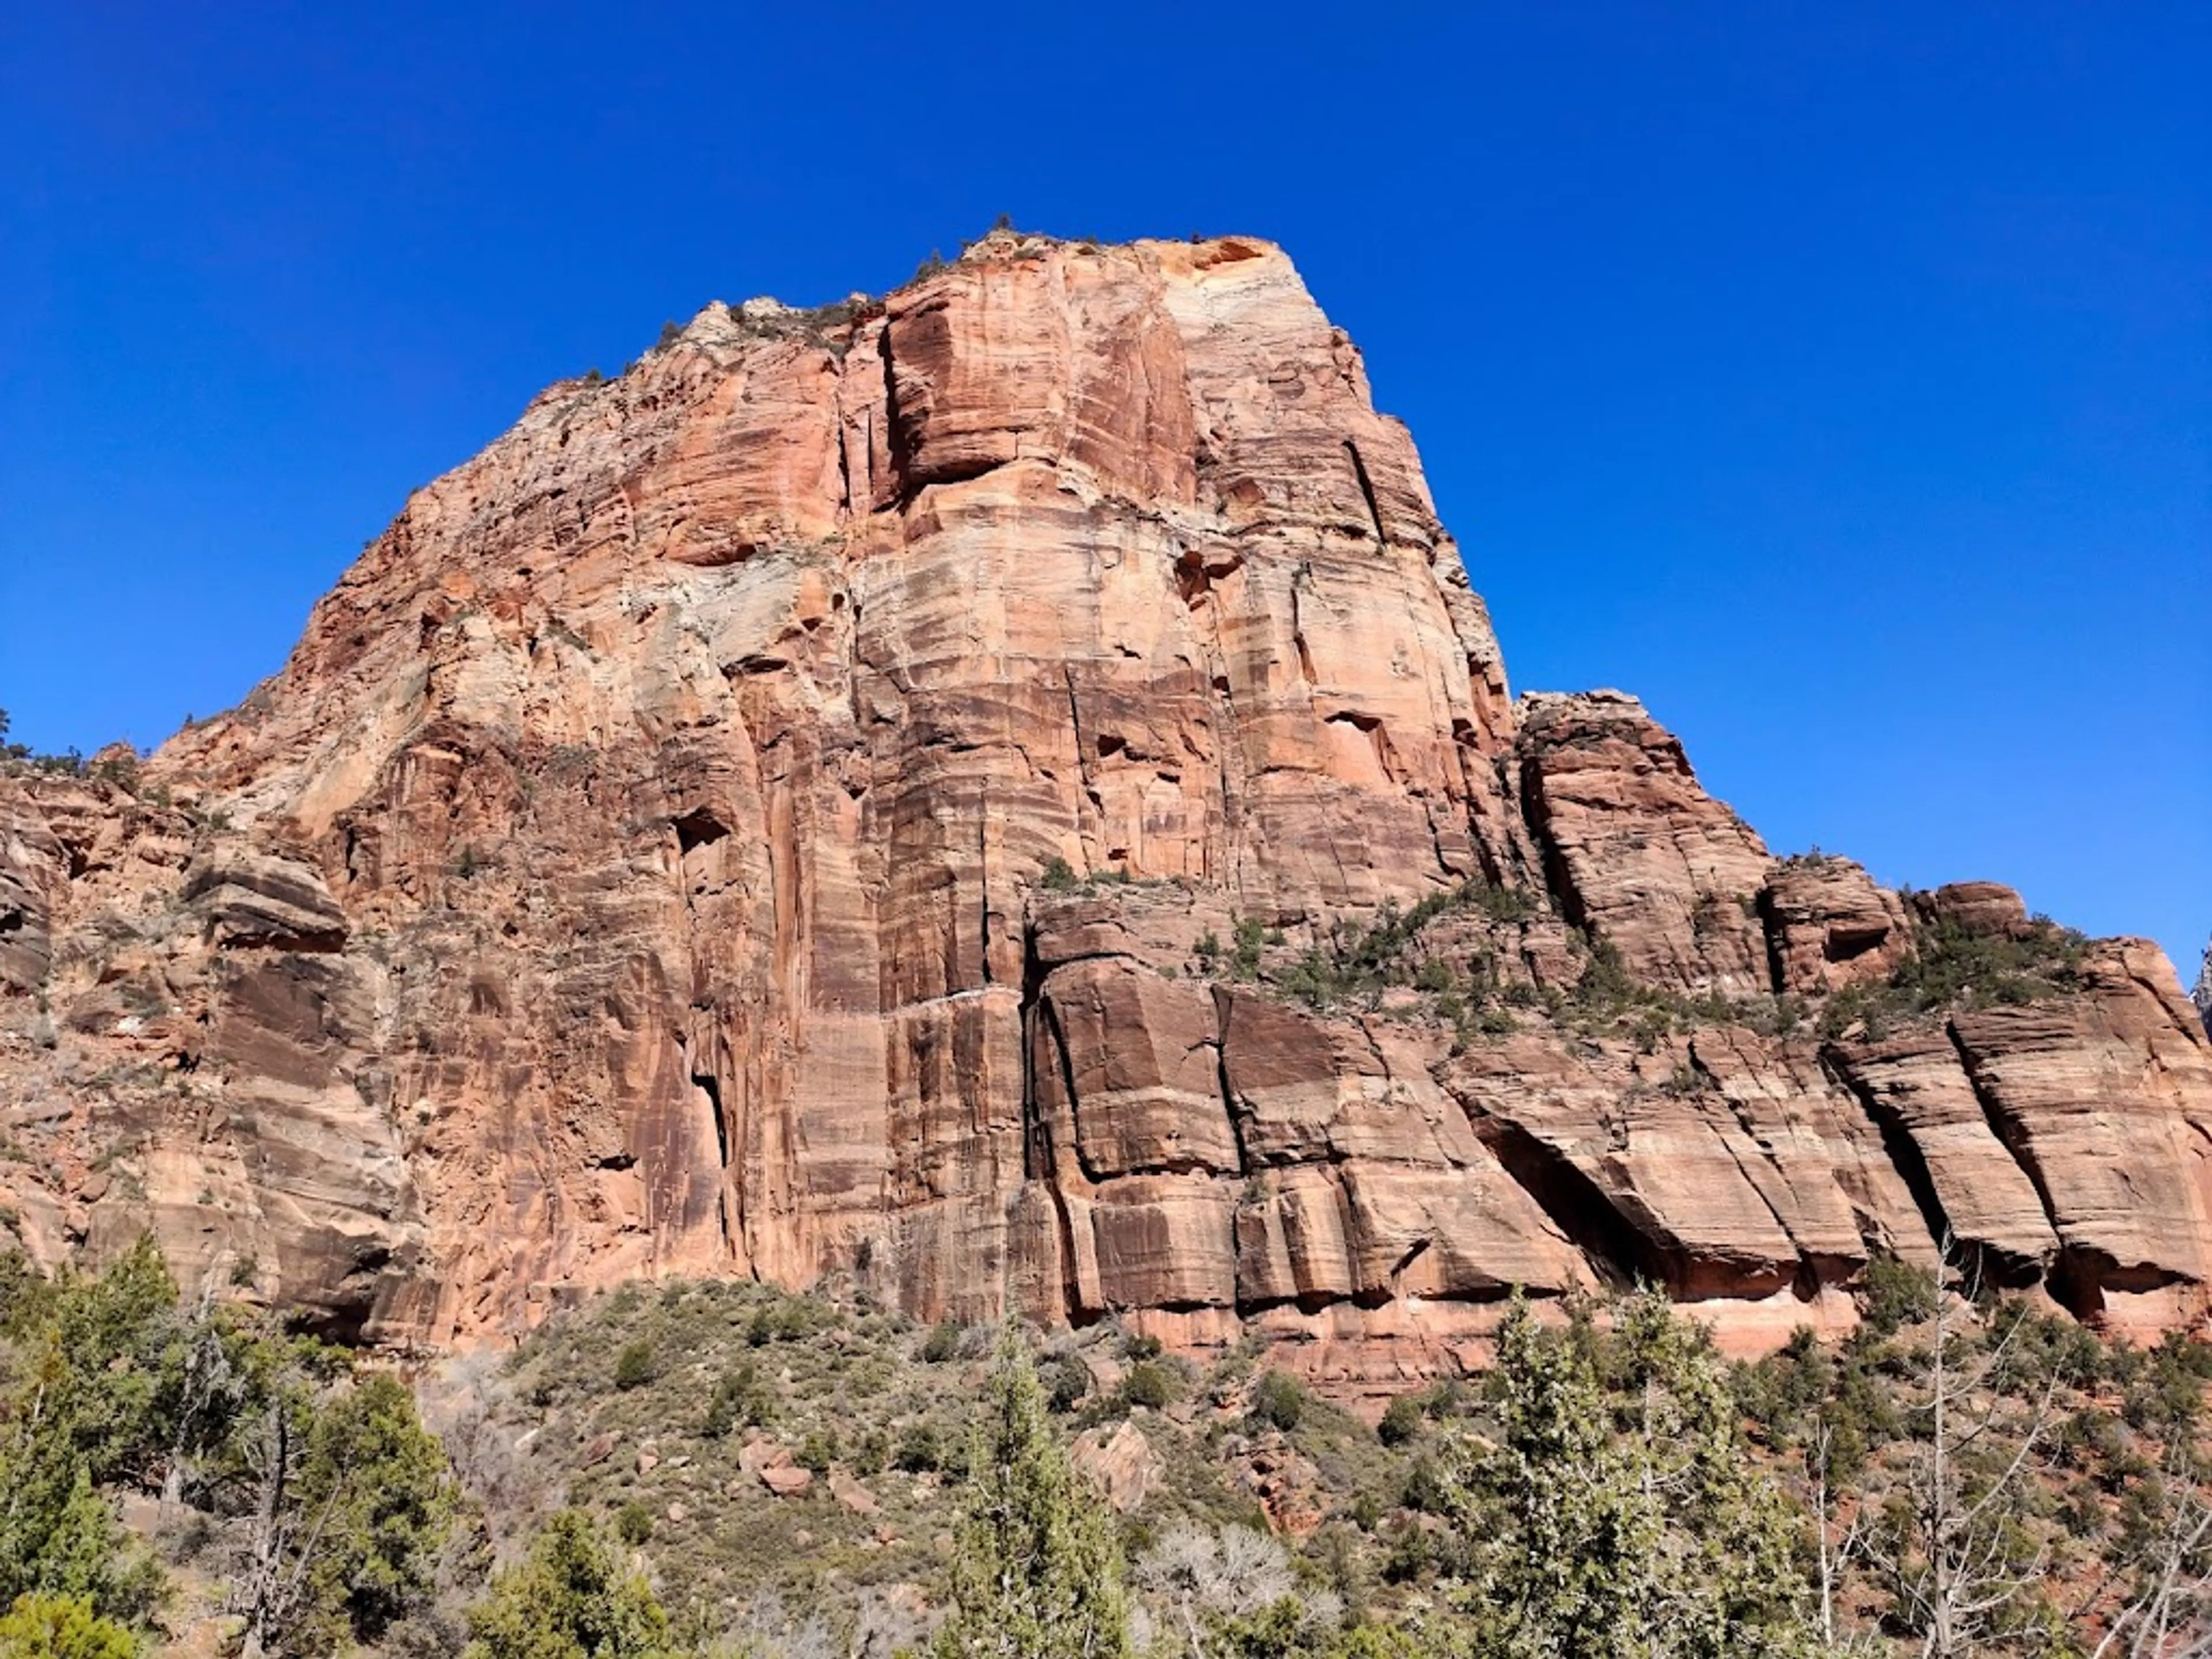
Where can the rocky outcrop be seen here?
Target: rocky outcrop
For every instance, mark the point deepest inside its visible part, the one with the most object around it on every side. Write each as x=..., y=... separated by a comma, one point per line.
x=1005, y=794
x=1638, y=856
x=1828, y=927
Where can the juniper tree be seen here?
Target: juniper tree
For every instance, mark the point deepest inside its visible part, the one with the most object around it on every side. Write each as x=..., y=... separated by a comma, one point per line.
x=62, y=1627
x=1037, y=1573
x=573, y=1598
x=1617, y=1513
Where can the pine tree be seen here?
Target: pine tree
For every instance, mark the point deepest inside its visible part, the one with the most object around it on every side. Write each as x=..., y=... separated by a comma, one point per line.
x=575, y=1598
x=62, y=1627
x=1037, y=1573
x=1723, y=1579
x=1618, y=1513
x=74, y=1414
x=376, y=1479
x=1570, y=1536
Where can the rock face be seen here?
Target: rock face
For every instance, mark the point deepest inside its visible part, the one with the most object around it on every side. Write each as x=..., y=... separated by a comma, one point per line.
x=881, y=794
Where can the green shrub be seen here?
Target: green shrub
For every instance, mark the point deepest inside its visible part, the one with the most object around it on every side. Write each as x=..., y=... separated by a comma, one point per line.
x=920, y=1450
x=1066, y=1381
x=1953, y=967
x=1897, y=1295
x=573, y=1595
x=740, y=1399
x=943, y=1343
x=1401, y=1420
x=42, y=1626
x=633, y=1522
x=1278, y=1401
x=634, y=1366
x=1059, y=875
x=1149, y=1383
x=1250, y=937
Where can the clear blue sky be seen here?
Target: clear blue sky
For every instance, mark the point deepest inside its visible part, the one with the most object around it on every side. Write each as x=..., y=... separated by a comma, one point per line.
x=1839, y=378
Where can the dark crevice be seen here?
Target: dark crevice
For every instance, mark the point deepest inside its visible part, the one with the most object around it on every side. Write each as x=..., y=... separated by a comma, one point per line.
x=1419, y=1249
x=1845, y=943
x=1537, y=817
x=964, y=473
x=304, y=941
x=1770, y=927
x=2073, y=1281
x=1037, y=1026
x=1367, y=490
x=1223, y=1002
x=895, y=441
x=1047, y=1165
x=732, y=1225
x=1577, y=1206
x=1298, y=634
x=984, y=879
x=707, y=1082
x=1901, y=1149
x=844, y=466
x=698, y=828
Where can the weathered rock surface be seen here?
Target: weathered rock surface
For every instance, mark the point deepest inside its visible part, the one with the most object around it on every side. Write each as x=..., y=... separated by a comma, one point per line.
x=1637, y=854
x=904, y=792
x=1828, y=926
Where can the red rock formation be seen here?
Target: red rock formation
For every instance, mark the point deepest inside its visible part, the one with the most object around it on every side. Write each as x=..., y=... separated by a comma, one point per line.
x=857, y=794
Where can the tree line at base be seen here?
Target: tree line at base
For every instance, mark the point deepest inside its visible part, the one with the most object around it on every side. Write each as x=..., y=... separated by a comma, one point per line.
x=1615, y=1489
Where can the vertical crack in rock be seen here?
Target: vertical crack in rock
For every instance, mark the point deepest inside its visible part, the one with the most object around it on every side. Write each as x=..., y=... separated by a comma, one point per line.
x=1898, y=1144
x=1038, y=1163
x=895, y=444
x=1536, y=813
x=1299, y=624
x=983, y=876
x=1223, y=1002
x=710, y=1085
x=1367, y=490
x=2073, y=1281
x=697, y=829
x=1082, y=747
x=844, y=462
x=1769, y=926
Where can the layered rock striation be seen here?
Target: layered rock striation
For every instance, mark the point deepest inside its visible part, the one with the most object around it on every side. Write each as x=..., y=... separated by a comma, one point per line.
x=1005, y=795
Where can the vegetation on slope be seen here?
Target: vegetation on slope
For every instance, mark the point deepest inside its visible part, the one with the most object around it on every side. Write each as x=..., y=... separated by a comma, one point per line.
x=711, y=1468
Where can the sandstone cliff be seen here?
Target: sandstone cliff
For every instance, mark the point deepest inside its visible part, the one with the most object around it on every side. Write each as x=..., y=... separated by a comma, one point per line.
x=1005, y=793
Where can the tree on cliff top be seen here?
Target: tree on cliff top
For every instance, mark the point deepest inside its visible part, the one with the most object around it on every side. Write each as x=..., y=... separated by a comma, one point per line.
x=1037, y=1573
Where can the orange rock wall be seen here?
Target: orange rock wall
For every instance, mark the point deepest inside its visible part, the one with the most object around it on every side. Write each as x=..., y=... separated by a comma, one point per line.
x=648, y=862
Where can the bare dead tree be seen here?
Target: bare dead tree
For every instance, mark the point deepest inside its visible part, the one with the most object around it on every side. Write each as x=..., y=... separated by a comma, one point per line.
x=274, y=1586
x=1194, y=1575
x=210, y=1383
x=1956, y=1568
x=1835, y=1546
x=2169, y=1616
